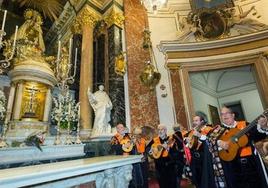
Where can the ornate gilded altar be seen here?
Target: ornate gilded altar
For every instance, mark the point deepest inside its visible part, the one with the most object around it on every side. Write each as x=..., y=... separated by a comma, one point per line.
x=32, y=78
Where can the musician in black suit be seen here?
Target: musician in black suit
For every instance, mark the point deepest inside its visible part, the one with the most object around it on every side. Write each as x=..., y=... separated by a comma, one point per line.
x=246, y=170
x=123, y=143
x=195, y=139
x=176, y=152
x=121, y=137
x=164, y=165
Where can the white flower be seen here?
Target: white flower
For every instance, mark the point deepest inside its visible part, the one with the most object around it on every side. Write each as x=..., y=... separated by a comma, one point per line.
x=61, y=108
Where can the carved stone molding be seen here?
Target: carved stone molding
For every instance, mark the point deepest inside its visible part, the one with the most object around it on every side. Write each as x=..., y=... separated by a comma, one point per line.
x=86, y=17
x=115, y=18
x=115, y=178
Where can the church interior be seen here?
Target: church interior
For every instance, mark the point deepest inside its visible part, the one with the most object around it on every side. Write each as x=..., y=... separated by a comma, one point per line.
x=71, y=71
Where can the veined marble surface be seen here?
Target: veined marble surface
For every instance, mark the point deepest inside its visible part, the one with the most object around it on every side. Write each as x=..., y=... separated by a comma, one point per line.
x=32, y=175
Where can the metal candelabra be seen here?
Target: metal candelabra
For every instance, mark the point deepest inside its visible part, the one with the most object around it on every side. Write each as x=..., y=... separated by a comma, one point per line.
x=58, y=118
x=64, y=65
x=68, y=137
x=5, y=63
x=78, y=141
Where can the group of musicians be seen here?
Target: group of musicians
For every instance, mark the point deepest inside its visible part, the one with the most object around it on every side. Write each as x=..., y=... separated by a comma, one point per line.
x=219, y=156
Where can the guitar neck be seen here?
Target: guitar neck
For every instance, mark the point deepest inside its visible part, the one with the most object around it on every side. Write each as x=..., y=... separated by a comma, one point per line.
x=251, y=125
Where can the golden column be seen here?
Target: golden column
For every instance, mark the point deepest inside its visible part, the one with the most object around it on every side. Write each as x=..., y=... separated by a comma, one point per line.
x=84, y=23
x=17, y=107
x=10, y=103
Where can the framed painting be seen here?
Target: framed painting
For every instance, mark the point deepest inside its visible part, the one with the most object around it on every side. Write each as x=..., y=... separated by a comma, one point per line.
x=237, y=109
x=201, y=4
x=214, y=115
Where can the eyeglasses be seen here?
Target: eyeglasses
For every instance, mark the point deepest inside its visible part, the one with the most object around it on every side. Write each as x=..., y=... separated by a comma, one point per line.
x=225, y=113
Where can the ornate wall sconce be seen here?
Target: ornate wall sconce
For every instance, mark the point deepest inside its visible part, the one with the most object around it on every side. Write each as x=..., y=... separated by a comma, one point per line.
x=120, y=64
x=149, y=76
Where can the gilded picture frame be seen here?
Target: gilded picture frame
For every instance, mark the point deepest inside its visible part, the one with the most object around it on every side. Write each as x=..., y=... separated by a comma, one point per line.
x=214, y=115
x=206, y=4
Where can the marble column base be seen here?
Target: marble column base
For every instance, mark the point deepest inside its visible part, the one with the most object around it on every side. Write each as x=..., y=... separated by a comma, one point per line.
x=85, y=134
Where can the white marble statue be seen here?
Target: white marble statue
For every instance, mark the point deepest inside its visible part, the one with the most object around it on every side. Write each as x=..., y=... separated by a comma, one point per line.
x=102, y=107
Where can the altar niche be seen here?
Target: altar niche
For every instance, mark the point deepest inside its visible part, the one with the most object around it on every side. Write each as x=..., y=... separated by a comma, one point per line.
x=33, y=101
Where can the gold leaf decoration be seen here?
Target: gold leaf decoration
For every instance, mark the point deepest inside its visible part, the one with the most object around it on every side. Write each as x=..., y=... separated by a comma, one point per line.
x=49, y=8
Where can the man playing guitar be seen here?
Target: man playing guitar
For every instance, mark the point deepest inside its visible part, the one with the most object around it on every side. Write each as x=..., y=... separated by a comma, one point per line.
x=121, y=141
x=195, y=139
x=165, y=166
x=246, y=168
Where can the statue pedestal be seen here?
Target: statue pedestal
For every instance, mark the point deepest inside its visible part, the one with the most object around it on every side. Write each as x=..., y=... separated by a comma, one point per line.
x=104, y=137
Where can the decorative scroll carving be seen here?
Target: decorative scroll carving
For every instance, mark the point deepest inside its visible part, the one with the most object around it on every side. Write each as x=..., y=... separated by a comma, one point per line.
x=115, y=18
x=115, y=178
x=86, y=17
x=210, y=24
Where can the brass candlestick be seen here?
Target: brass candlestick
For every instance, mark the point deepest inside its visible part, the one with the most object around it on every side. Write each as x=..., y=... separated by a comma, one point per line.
x=58, y=118
x=78, y=141
x=57, y=139
x=68, y=138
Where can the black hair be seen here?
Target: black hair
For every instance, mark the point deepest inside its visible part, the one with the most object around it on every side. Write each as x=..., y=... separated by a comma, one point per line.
x=202, y=117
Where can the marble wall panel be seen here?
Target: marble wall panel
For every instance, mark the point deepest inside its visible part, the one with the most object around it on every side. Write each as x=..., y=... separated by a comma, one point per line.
x=143, y=102
x=178, y=98
x=116, y=82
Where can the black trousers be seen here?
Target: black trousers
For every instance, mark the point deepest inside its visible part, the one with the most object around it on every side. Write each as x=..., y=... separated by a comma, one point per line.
x=244, y=173
x=166, y=173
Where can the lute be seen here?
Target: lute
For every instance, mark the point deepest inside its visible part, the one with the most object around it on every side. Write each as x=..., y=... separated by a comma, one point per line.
x=236, y=139
x=127, y=144
x=157, y=149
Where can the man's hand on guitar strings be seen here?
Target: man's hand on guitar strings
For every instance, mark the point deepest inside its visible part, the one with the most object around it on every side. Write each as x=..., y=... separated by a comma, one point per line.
x=165, y=145
x=196, y=133
x=224, y=145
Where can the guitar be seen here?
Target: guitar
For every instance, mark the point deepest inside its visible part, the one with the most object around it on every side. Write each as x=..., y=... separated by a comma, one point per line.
x=127, y=144
x=194, y=139
x=236, y=139
x=157, y=149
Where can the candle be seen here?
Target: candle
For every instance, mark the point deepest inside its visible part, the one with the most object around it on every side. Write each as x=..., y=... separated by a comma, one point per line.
x=59, y=48
x=60, y=106
x=15, y=36
x=70, y=49
x=78, y=116
x=69, y=109
x=4, y=20
x=75, y=60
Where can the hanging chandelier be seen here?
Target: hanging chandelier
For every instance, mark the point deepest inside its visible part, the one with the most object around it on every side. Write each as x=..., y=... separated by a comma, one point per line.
x=150, y=75
x=153, y=5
